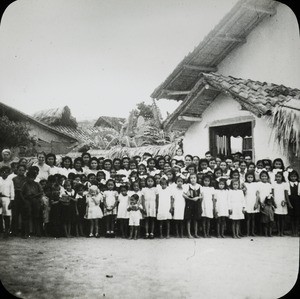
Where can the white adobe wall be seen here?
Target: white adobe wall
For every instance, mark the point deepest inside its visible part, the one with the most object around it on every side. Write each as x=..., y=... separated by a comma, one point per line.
x=271, y=53
x=196, y=141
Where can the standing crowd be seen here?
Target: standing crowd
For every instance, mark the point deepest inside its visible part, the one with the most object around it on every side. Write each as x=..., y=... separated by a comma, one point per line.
x=146, y=196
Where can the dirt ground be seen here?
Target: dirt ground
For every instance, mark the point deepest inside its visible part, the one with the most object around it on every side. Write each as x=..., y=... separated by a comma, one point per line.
x=175, y=268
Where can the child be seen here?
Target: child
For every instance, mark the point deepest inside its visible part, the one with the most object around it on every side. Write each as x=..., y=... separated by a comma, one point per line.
x=192, y=210
x=150, y=199
x=294, y=197
x=7, y=195
x=267, y=217
x=281, y=198
x=164, y=206
x=207, y=204
x=110, y=201
x=55, y=218
x=178, y=205
x=122, y=215
x=237, y=206
x=93, y=212
x=252, y=201
x=67, y=193
x=81, y=208
x=46, y=209
x=222, y=207
x=134, y=210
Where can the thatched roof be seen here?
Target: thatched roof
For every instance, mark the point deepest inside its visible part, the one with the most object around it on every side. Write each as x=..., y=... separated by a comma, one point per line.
x=16, y=115
x=57, y=117
x=120, y=152
x=110, y=122
x=230, y=33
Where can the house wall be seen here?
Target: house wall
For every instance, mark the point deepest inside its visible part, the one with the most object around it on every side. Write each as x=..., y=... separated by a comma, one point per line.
x=271, y=53
x=51, y=142
x=196, y=141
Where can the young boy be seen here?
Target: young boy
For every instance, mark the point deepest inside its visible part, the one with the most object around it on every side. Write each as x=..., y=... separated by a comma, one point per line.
x=135, y=216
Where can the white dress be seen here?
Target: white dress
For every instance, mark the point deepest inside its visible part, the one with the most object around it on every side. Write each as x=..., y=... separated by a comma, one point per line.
x=236, y=204
x=279, y=197
x=110, y=198
x=122, y=207
x=135, y=216
x=93, y=208
x=250, y=197
x=150, y=200
x=222, y=205
x=207, y=201
x=265, y=189
x=179, y=203
x=164, y=203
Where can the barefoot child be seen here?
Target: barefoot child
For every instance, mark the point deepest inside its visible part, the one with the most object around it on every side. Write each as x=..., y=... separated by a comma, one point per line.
x=94, y=213
x=164, y=206
x=110, y=201
x=192, y=210
x=222, y=206
x=122, y=215
x=294, y=197
x=178, y=205
x=208, y=203
x=252, y=202
x=134, y=210
x=67, y=193
x=267, y=217
x=236, y=207
x=81, y=208
x=280, y=193
x=150, y=198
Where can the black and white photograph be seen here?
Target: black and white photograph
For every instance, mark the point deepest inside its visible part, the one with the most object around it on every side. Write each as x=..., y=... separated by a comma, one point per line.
x=149, y=149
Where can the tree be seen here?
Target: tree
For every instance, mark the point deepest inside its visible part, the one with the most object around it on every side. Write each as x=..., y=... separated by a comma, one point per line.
x=13, y=134
x=145, y=110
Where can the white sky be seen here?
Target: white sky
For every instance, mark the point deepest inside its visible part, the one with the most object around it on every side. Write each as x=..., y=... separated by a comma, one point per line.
x=98, y=57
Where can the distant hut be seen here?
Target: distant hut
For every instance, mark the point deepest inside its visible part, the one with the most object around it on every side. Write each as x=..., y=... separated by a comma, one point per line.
x=110, y=122
x=48, y=138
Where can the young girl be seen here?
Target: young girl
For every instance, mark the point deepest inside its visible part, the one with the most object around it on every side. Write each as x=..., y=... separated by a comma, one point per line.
x=179, y=154
x=267, y=217
x=122, y=215
x=294, y=196
x=280, y=193
x=178, y=205
x=164, y=206
x=252, y=202
x=66, y=166
x=94, y=213
x=150, y=199
x=192, y=210
x=110, y=201
x=55, y=209
x=222, y=207
x=134, y=210
x=278, y=166
x=152, y=171
x=237, y=206
x=265, y=190
x=208, y=204
x=67, y=194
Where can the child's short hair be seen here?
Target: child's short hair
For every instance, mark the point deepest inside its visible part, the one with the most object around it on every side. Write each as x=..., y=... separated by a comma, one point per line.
x=222, y=180
x=207, y=177
x=189, y=178
x=134, y=197
x=234, y=181
x=264, y=172
x=94, y=188
x=67, y=182
x=293, y=172
x=163, y=180
x=110, y=181
x=123, y=187
x=282, y=176
x=248, y=174
x=90, y=175
x=135, y=182
x=78, y=187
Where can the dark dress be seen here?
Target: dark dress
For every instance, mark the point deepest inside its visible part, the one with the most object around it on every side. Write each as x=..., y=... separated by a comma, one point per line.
x=81, y=207
x=267, y=214
x=193, y=209
x=295, y=201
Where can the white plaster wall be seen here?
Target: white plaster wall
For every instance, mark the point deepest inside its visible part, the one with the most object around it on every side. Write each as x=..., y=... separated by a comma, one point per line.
x=271, y=53
x=196, y=141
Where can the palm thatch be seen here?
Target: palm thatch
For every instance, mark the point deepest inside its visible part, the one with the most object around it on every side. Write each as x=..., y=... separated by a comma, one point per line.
x=110, y=122
x=286, y=126
x=57, y=117
x=119, y=151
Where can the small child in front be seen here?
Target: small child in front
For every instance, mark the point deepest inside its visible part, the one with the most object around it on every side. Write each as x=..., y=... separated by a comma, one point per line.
x=134, y=210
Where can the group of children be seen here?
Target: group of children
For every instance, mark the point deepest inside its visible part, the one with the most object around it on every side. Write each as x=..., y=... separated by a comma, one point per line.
x=179, y=193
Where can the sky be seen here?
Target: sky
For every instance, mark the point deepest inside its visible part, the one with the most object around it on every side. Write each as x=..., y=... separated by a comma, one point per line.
x=98, y=57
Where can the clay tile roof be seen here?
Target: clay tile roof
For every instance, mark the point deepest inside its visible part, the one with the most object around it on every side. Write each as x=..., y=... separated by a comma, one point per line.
x=261, y=95
x=110, y=122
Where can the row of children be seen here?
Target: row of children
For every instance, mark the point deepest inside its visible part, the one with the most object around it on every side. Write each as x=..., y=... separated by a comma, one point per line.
x=142, y=190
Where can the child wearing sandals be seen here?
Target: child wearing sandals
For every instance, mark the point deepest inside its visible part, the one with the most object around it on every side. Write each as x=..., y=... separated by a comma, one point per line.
x=93, y=213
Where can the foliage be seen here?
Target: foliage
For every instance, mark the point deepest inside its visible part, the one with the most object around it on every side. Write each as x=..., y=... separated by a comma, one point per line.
x=145, y=110
x=12, y=133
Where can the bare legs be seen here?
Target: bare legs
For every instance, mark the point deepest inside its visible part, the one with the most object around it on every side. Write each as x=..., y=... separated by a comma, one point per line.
x=236, y=229
x=149, y=221
x=280, y=224
x=250, y=224
x=133, y=234
x=221, y=223
x=167, y=222
x=206, y=227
